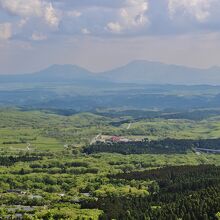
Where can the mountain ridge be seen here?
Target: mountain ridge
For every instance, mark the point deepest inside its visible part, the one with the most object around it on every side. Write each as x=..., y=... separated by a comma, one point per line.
x=135, y=72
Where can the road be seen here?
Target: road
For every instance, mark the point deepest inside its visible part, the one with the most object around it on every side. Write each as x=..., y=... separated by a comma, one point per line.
x=129, y=126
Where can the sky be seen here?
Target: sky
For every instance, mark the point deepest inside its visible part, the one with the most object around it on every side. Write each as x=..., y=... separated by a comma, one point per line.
x=104, y=34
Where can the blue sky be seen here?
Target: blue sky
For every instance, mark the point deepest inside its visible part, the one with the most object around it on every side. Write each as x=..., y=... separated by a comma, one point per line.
x=102, y=34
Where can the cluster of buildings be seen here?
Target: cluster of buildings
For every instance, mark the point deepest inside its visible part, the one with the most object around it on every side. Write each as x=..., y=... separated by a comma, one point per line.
x=112, y=139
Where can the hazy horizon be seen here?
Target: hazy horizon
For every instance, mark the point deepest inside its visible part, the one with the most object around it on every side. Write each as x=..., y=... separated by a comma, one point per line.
x=110, y=68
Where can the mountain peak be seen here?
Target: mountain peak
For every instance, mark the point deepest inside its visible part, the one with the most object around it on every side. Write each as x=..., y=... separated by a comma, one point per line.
x=150, y=72
x=64, y=69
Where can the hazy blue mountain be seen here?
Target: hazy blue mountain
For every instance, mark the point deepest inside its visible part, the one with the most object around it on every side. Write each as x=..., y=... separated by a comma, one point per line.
x=55, y=73
x=146, y=72
x=139, y=72
x=75, y=88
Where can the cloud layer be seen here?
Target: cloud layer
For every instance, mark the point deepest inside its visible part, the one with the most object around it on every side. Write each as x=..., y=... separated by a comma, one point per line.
x=199, y=9
x=132, y=16
x=38, y=20
x=5, y=31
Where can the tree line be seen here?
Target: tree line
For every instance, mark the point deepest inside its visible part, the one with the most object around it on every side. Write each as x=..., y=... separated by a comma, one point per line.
x=165, y=146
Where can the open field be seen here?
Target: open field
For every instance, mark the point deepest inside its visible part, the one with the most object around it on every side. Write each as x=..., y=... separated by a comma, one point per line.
x=48, y=131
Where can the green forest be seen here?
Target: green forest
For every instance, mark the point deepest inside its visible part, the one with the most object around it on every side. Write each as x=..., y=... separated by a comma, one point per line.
x=52, y=166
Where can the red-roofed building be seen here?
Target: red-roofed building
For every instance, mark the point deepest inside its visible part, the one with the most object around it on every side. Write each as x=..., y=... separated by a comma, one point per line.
x=115, y=139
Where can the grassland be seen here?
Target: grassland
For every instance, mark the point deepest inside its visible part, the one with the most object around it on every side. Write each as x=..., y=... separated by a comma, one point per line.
x=48, y=131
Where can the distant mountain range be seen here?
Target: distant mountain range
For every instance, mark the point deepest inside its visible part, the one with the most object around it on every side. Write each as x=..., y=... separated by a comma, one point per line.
x=138, y=72
x=55, y=73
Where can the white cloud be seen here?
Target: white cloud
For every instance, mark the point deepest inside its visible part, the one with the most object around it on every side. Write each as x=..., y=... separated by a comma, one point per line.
x=32, y=8
x=51, y=16
x=85, y=31
x=22, y=22
x=135, y=13
x=74, y=13
x=100, y=18
x=200, y=9
x=22, y=7
x=114, y=27
x=38, y=36
x=5, y=31
x=132, y=15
